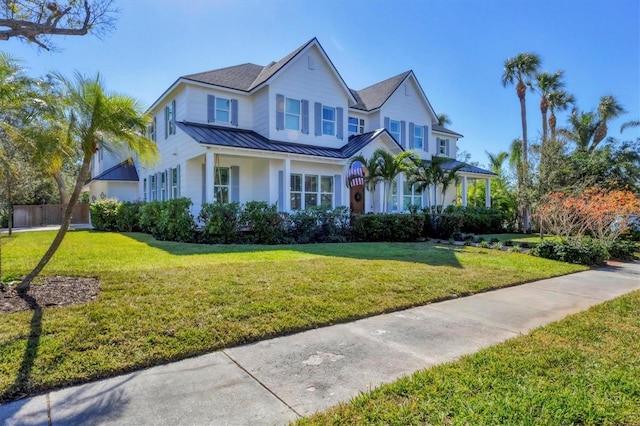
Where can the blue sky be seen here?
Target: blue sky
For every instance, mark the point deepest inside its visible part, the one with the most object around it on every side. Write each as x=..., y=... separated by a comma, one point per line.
x=456, y=48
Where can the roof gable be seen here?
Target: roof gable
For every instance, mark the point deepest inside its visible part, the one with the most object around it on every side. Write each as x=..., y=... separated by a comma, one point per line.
x=124, y=171
x=374, y=96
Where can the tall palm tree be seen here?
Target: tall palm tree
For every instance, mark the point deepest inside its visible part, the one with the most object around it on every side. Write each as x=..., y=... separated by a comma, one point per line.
x=558, y=100
x=546, y=84
x=608, y=109
x=520, y=70
x=389, y=167
x=443, y=119
x=516, y=161
x=95, y=118
x=423, y=174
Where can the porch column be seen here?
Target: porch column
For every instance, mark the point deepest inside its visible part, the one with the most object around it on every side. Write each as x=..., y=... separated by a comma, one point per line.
x=464, y=191
x=209, y=164
x=487, y=192
x=287, y=184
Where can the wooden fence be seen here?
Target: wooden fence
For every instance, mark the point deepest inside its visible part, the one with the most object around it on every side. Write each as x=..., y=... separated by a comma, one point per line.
x=47, y=214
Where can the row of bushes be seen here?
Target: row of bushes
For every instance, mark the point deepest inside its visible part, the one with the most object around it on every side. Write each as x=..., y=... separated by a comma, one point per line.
x=585, y=251
x=261, y=223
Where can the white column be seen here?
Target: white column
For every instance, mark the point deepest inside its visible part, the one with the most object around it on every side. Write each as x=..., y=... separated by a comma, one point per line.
x=487, y=192
x=209, y=164
x=464, y=191
x=287, y=184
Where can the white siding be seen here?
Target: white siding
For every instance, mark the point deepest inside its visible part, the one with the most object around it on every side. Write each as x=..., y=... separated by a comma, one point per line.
x=320, y=84
x=261, y=111
x=196, y=101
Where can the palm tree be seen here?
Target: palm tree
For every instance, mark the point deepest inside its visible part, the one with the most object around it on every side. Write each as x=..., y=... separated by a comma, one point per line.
x=608, y=109
x=95, y=118
x=582, y=129
x=423, y=174
x=520, y=70
x=447, y=177
x=547, y=84
x=516, y=161
x=389, y=167
x=629, y=124
x=558, y=100
x=443, y=119
x=371, y=173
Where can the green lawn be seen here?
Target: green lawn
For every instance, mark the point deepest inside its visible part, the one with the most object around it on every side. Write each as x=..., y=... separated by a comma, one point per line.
x=582, y=370
x=166, y=301
x=516, y=238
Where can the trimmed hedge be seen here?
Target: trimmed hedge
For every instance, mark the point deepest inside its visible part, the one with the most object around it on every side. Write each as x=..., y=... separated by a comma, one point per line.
x=585, y=251
x=387, y=227
x=468, y=220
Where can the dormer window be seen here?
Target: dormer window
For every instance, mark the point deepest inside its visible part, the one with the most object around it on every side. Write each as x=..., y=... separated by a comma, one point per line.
x=292, y=114
x=328, y=121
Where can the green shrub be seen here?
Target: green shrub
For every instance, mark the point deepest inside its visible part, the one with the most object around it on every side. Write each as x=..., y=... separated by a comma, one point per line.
x=221, y=223
x=265, y=224
x=168, y=220
x=622, y=249
x=387, y=227
x=104, y=214
x=128, y=219
x=150, y=216
x=585, y=251
x=470, y=219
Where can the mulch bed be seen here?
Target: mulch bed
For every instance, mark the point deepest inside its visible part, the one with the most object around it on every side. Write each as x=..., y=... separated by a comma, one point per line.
x=47, y=292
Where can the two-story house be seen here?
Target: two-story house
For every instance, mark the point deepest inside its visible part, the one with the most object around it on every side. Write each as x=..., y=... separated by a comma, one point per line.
x=283, y=133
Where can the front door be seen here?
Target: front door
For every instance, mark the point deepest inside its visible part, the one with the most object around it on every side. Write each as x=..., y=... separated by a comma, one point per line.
x=357, y=199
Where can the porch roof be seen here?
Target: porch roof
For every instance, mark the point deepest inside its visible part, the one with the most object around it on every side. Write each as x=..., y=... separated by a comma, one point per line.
x=467, y=168
x=248, y=139
x=125, y=171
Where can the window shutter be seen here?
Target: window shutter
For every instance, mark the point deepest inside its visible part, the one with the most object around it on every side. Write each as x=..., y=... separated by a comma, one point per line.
x=340, y=123
x=447, y=144
x=235, y=184
x=425, y=142
x=155, y=128
x=173, y=117
x=337, y=188
x=412, y=142
x=166, y=122
x=279, y=112
x=234, y=112
x=304, y=104
x=178, y=182
x=386, y=123
x=211, y=108
x=318, y=118
x=403, y=136
x=281, y=190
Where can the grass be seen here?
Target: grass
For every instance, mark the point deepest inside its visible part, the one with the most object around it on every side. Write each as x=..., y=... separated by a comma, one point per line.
x=163, y=301
x=516, y=238
x=582, y=370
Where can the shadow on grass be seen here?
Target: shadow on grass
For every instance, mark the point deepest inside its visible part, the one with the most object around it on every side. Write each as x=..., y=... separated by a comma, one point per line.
x=424, y=253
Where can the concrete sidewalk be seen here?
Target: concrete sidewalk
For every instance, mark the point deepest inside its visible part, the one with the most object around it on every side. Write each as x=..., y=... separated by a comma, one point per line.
x=276, y=381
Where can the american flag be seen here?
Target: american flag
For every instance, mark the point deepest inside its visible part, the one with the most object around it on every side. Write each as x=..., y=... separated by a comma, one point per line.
x=356, y=174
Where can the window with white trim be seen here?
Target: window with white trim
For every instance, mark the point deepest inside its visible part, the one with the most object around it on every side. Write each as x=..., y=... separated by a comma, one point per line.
x=221, y=184
x=292, y=114
x=418, y=137
x=163, y=186
x=394, y=129
x=411, y=196
x=310, y=191
x=442, y=149
x=152, y=184
x=174, y=182
x=169, y=120
x=151, y=129
x=328, y=121
x=356, y=126
x=223, y=110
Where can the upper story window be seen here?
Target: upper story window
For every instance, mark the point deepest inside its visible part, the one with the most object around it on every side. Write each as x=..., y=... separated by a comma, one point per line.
x=223, y=110
x=394, y=129
x=170, y=119
x=292, y=114
x=356, y=126
x=443, y=146
x=151, y=129
x=328, y=121
x=418, y=137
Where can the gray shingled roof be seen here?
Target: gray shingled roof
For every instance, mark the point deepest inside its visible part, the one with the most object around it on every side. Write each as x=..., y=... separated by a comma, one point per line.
x=466, y=168
x=248, y=139
x=273, y=67
x=439, y=128
x=374, y=96
x=239, y=77
x=124, y=171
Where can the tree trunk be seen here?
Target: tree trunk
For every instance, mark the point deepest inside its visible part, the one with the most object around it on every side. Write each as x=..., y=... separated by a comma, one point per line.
x=521, y=89
x=62, y=188
x=544, y=106
x=599, y=135
x=552, y=124
x=23, y=287
x=10, y=220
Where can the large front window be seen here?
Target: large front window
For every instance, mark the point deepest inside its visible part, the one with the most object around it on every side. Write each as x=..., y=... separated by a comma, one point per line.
x=221, y=184
x=394, y=129
x=223, y=108
x=328, y=121
x=310, y=191
x=292, y=114
x=418, y=137
x=356, y=126
x=411, y=196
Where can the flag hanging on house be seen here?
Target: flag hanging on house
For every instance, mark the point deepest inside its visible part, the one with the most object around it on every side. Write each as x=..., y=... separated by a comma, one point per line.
x=356, y=175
